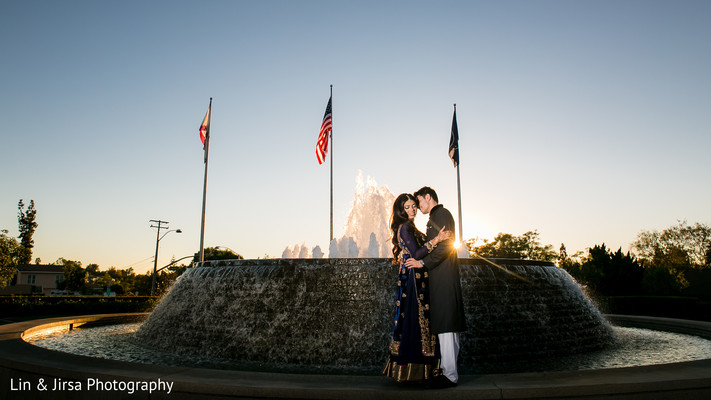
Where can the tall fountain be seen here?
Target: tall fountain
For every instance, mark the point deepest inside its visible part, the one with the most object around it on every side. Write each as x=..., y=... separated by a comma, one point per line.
x=367, y=230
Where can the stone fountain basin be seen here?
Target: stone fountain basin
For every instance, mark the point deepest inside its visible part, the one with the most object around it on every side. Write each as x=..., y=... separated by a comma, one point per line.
x=21, y=360
x=339, y=312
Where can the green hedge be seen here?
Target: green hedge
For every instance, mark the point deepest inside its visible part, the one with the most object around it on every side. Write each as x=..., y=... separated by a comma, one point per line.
x=658, y=306
x=27, y=306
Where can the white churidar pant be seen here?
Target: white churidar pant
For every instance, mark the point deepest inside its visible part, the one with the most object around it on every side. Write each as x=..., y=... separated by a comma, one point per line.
x=449, y=349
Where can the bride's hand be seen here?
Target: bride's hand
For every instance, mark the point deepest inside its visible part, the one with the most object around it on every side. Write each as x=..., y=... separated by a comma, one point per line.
x=443, y=235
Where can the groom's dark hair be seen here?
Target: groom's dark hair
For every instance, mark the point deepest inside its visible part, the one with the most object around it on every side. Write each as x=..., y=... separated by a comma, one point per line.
x=426, y=190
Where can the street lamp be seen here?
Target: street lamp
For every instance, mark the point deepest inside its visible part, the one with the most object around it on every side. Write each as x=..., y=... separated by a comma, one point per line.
x=159, y=225
x=175, y=262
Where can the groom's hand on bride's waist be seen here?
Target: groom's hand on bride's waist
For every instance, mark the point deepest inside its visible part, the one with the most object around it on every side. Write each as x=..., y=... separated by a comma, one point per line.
x=412, y=263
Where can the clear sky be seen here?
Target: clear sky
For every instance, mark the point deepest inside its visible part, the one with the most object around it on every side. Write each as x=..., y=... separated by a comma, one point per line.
x=586, y=120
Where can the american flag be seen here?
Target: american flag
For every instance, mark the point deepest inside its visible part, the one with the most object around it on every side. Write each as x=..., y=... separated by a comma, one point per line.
x=322, y=144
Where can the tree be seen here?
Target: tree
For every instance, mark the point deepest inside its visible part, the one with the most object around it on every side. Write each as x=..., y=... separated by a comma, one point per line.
x=118, y=289
x=664, y=273
x=213, y=253
x=92, y=269
x=694, y=240
x=663, y=281
x=125, y=277
x=506, y=245
x=75, y=277
x=572, y=264
x=142, y=283
x=104, y=280
x=27, y=225
x=611, y=274
x=563, y=252
x=10, y=253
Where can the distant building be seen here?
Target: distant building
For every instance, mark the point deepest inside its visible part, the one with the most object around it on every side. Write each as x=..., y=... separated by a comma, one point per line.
x=35, y=278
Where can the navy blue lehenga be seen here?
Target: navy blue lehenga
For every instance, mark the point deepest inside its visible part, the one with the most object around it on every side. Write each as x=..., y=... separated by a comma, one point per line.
x=414, y=353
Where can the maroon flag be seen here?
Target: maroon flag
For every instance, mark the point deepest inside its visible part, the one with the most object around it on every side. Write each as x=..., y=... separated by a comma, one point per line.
x=322, y=144
x=205, y=127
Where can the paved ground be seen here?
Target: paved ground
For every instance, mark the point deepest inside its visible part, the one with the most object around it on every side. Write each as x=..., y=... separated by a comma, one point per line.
x=23, y=367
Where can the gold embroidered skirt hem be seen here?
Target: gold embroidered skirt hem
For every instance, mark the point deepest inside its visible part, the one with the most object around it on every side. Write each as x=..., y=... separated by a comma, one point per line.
x=410, y=372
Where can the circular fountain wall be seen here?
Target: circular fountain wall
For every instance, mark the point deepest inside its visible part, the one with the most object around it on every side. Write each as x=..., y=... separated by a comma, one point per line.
x=337, y=313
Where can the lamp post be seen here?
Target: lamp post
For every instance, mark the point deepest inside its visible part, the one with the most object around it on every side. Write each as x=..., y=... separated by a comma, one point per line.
x=159, y=225
x=175, y=262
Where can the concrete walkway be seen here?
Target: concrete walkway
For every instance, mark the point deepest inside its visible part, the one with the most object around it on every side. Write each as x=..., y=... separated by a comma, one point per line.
x=24, y=368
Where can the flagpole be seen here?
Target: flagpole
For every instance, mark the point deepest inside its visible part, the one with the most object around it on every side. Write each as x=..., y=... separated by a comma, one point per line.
x=204, y=187
x=331, y=160
x=459, y=188
x=459, y=193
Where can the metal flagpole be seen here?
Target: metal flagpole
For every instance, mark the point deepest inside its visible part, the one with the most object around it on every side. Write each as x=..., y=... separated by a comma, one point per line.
x=331, y=160
x=459, y=186
x=459, y=192
x=204, y=188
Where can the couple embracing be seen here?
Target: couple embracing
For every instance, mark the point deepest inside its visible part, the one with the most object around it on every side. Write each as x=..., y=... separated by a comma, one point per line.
x=429, y=313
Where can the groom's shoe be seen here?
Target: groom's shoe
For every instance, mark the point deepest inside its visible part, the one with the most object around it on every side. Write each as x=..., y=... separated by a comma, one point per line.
x=440, y=382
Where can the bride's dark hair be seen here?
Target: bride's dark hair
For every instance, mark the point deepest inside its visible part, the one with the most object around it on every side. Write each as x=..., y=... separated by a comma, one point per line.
x=399, y=217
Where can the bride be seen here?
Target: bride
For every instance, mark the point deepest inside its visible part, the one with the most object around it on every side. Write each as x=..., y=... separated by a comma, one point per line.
x=413, y=348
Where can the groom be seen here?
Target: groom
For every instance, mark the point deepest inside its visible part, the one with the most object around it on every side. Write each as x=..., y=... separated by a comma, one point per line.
x=446, y=307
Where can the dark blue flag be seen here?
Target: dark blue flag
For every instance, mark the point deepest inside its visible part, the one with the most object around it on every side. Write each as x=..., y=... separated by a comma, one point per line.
x=454, y=140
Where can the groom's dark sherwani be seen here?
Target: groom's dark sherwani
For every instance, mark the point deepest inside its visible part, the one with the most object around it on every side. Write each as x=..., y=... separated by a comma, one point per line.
x=446, y=306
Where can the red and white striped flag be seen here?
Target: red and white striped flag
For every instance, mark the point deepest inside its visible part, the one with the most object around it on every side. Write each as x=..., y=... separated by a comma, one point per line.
x=322, y=144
